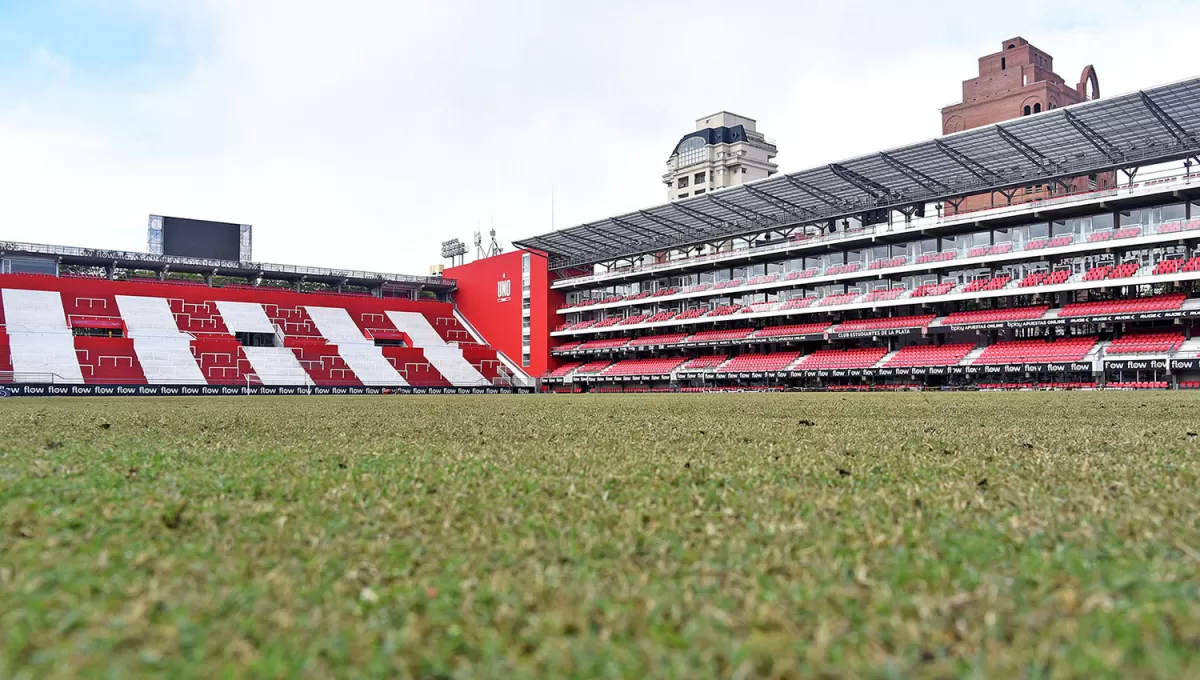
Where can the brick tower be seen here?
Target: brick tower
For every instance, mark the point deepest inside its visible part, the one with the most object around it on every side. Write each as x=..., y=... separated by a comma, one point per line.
x=1019, y=80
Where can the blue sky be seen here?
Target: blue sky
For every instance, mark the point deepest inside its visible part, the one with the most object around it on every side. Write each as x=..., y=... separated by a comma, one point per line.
x=104, y=42
x=362, y=133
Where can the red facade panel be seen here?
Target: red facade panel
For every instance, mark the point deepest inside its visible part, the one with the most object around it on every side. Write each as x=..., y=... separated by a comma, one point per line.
x=494, y=307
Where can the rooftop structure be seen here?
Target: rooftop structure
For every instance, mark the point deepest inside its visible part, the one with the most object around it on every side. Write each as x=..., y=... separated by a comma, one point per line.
x=1137, y=129
x=726, y=150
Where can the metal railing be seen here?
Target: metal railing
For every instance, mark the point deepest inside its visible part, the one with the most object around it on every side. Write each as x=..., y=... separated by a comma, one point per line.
x=1081, y=241
x=34, y=378
x=123, y=256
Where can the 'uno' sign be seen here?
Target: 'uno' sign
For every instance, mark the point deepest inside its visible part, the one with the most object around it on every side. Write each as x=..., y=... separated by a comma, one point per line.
x=504, y=290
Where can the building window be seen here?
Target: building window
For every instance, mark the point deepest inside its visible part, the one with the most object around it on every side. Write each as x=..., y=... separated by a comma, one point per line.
x=524, y=360
x=1027, y=111
x=683, y=195
x=1003, y=63
x=525, y=263
x=699, y=178
x=1037, y=108
x=697, y=192
x=691, y=151
x=683, y=182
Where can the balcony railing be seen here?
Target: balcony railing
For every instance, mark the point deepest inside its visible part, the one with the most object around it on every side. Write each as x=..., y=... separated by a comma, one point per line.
x=962, y=256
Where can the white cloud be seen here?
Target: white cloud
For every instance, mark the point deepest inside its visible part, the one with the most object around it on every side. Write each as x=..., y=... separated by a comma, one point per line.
x=363, y=133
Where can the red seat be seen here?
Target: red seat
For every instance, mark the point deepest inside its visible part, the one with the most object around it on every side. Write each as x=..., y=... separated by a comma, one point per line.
x=1126, y=306
x=757, y=363
x=861, y=357
x=661, y=366
x=717, y=336
x=1147, y=342
x=996, y=315
x=1037, y=350
x=793, y=330
x=886, y=323
x=929, y=355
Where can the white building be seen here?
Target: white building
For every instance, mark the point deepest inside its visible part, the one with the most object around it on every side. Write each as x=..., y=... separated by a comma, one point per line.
x=725, y=150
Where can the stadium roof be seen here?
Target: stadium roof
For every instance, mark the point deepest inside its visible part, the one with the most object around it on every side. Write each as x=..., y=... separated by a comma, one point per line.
x=1138, y=129
x=283, y=272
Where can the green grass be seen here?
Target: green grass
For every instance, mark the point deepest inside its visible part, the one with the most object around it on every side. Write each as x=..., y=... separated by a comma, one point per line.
x=986, y=535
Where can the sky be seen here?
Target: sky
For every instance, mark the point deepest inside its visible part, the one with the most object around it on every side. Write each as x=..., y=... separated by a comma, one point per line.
x=363, y=133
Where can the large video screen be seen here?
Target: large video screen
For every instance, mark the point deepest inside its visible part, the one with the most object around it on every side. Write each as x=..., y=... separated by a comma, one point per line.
x=201, y=238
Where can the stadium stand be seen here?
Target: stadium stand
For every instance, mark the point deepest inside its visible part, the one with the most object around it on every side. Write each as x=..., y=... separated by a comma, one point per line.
x=933, y=289
x=1037, y=350
x=996, y=315
x=995, y=283
x=798, y=303
x=724, y=310
x=885, y=323
x=671, y=339
x=792, y=330
x=860, y=357
x=1045, y=278
x=1147, y=342
x=644, y=366
x=604, y=344
x=564, y=370
x=1157, y=303
x=167, y=334
x=840, y=299
x=705, y=363
x=720, y=335
x=758, y=363
x=593, y=367
x=930, y=355
x=884, y=295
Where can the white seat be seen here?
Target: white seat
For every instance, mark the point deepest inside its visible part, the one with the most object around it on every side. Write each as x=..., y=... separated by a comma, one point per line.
x=359, y=353
x=40, y=342
x=447, y=359
x=245, y=317
x=276, y=366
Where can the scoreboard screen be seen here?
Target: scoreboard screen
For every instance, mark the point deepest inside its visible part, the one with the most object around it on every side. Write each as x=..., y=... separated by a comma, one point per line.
x=201, y=238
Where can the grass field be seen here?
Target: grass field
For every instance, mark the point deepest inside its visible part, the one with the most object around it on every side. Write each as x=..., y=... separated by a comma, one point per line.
x=898, y=535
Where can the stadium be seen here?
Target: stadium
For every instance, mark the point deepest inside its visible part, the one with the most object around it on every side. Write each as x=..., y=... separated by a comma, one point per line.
x=924, y=412
x=863, y=274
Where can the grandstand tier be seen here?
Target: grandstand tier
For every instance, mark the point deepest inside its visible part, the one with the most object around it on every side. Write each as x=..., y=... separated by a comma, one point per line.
x=89, y=331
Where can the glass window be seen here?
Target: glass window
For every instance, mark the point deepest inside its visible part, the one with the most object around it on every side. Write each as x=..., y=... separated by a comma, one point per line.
x=691, y=151
x=1101, y=222
x=1152, y=216
x=954, y=242
x=697, y=192
x=683, y=195
x=683, y=182
x=698, y=178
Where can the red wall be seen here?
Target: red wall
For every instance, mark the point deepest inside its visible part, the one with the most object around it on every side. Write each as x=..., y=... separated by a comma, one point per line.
x=546, y=302
x=500, y=321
